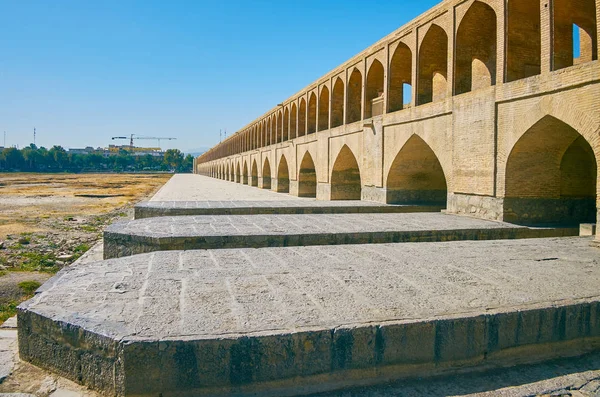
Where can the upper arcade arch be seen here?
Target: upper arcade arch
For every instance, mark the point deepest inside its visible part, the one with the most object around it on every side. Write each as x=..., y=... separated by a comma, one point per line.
x=337, y=103
x=354, y=95
x=312, y=114
x=324, y=109
x=374, y=90
x=475, y=52
x=433, y=66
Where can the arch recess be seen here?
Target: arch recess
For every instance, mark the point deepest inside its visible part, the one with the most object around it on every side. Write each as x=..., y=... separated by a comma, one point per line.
x=337, y=103
x=345, y=176
x=324, y=109
x=307, y=177
x=283, y=176
x=254, y=174
x=475, y=60
x=302, y=118
x=245, y=174
x=312, y=113
x=293, y=121
x=551, y=176
x=374, y=90
x=433, y=66
x=570, y=15
x=353, y=101
x=266, y=175
x=416, y=176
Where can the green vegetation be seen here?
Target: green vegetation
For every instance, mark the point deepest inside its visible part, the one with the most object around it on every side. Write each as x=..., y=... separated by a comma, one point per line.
x=29, y=287
x=8, y=310
x=35, y=261
x=32, y=158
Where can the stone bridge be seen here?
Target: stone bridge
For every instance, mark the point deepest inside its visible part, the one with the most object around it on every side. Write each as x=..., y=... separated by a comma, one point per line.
x=491, y=107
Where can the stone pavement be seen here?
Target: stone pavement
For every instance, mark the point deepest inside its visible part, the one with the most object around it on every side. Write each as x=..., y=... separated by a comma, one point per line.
x=236, y=207
x=239, y=231
x=191, y=187
x=255, y=320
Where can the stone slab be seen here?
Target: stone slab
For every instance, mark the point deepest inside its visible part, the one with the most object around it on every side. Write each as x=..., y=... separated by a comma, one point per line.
x=240, y=231
x=151, y=209
x=279, y=320
x=587, y=229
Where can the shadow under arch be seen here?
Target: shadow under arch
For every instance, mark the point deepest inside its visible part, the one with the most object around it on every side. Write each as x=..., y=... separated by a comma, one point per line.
x=283, y=176
x=307, y=177
x=266, y=175
x=551, y=176
x=416, y=176
x=345, y=176
x=245, y=174
x=254, y=174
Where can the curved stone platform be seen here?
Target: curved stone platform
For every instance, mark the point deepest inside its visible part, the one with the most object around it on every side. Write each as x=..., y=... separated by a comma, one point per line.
x=238, y=231
x=286, y=321
x=152, y=209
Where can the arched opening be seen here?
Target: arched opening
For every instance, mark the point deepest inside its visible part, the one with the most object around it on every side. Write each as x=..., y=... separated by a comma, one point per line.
x=273, y=131
x=523, y=39
x=245, y=174
x=551, y=176
x=279, y=127
x=345, y=177
x=228, y=174
x=266, y=175
x=312, y=113
x=353, y=103
x=374, y=90
x=579, y=15
x=259, y=136
x=254, y=174
x=337, y=103
x=400, y=78
x=307, y=177
x=238, y=173
x=283, y=176
x=293, y=121
x=416, y=176
x=433, y=66
x=324, y=109
x=286, y=123
x=302, y=118
x=475, y=65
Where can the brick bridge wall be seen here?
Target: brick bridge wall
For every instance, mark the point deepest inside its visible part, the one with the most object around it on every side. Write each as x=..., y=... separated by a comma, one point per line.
x=483, y=105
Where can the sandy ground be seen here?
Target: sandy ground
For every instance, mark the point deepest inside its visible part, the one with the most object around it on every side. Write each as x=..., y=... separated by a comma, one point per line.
x=47, y=221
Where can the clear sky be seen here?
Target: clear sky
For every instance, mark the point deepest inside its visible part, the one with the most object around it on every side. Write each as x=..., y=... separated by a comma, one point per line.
x=83, y=71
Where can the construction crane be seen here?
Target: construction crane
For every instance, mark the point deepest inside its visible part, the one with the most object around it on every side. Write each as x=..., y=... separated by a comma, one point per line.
x=133, y=136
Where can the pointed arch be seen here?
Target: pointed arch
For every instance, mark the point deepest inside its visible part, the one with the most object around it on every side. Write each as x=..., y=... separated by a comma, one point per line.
x=312, y=113
x=266, y=174
x=283, y=176
x=551, y=176
x=254, y=174
x=416, y=176
x=286, y=124
x=302, y=118
x=307, y=177
x=238, y=173
x=273, y=131
x=400, y=78
x=245, y=174
x=475, y=59
x=570, y=15
x=279, y=127
x=523, y=39
x=345, y=176
x=354, y=97
x=374, y=90
x=293, y=121
x=324, y=109
x=337, y=103
x=228, y=173
x=433, y=66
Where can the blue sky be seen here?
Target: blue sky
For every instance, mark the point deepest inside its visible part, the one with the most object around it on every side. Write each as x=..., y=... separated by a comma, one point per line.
x=84, y=71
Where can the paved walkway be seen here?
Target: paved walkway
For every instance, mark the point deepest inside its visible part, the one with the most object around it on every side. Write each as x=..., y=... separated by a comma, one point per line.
x=190, y=187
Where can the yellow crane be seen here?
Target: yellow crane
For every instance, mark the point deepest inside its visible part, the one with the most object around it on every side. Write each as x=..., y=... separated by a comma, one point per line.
x=133, y=136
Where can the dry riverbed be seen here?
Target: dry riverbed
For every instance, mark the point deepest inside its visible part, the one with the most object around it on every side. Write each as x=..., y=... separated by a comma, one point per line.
x=47, y=221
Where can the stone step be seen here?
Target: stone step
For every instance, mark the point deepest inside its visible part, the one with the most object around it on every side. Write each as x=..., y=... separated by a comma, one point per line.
x=151, y=209
x=292, y=320
x=241, y=231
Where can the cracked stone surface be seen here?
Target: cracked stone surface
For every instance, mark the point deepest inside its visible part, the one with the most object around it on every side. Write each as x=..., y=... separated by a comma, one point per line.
x=211, y=293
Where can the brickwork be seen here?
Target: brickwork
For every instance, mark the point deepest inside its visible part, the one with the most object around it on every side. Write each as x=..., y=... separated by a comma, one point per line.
x=484, y=76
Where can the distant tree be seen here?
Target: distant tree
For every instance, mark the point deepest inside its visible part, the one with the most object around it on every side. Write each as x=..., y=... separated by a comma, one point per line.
x=188, y=163
x=174, y=159
x=13, y=159
x=60, y=156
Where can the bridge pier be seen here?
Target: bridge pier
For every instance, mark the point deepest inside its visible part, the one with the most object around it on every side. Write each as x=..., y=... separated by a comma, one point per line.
x=373, y=193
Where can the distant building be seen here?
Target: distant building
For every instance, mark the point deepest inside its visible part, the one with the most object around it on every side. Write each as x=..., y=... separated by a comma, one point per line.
x=87, y=150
